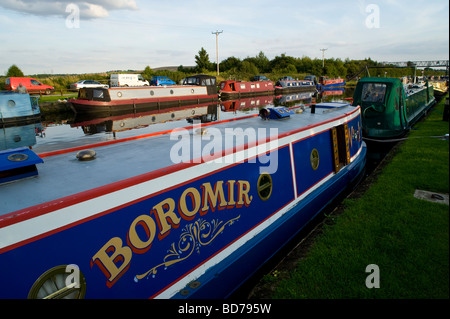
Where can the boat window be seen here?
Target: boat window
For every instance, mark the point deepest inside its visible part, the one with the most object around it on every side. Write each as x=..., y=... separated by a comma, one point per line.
x=98, y=94
x=373, y=92
x=192, y=81
x=242, y=86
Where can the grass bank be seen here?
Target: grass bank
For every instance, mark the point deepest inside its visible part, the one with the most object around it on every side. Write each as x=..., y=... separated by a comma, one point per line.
x=407, y=238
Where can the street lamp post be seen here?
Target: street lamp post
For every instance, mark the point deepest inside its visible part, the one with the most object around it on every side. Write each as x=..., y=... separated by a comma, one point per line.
x=217, y=48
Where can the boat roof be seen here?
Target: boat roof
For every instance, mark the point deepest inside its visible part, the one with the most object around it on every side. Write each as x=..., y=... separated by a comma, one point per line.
x=118, y=161
x=380, y=80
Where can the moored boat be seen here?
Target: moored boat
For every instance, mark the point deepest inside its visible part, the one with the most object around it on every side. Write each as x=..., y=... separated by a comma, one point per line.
x=190, y=213
x=325, y=82
x=288, y=85
x=231, y=89
x=440, y=87
x=389, y=107
x=195, y=89
x=18, y=108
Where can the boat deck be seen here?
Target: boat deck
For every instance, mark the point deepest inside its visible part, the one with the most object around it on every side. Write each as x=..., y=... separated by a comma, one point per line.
x=62, y=174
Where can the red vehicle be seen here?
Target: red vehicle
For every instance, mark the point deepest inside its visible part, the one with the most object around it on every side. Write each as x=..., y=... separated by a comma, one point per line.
x=32, y=85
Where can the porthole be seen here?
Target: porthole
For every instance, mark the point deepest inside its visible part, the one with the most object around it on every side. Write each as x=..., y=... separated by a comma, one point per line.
x=119, y=94
x=314, y=159
x=11, y=103
x=171, y=91
x=59, y=282
x=192, y=91
x=18, y=157
x=265, y=186
x=152, y=93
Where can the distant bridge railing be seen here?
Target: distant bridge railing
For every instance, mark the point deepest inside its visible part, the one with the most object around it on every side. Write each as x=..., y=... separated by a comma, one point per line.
x=425, y=64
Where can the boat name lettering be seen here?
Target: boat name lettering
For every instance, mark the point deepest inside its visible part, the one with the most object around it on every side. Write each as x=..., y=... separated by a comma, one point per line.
x=115, y=256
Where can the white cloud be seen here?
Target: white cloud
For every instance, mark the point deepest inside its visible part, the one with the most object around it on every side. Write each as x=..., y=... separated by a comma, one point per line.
x=87, y=9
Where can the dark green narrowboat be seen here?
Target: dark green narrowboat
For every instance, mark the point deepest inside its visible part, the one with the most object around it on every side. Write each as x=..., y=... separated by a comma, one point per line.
x=390, y=108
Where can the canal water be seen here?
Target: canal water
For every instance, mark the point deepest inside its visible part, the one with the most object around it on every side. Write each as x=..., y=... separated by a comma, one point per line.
x=75, y=130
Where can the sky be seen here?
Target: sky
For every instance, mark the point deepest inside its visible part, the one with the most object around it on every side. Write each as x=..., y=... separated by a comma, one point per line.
x=92, y=36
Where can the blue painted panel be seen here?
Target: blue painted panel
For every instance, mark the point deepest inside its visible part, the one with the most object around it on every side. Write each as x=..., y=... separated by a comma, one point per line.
x=306, y=176
x=187, y=244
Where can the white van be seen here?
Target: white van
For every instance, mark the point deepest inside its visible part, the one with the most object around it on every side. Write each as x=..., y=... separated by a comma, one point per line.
x=118, y=79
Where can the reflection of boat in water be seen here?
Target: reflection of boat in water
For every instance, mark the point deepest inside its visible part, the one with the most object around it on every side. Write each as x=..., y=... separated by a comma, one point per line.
x=205, y=112
x=390, y=108
x=190, y=213
x=291, y=99
x=236, y=89
x=18, y=108
x=195, y=89
x=246, y=103
x=332, y=91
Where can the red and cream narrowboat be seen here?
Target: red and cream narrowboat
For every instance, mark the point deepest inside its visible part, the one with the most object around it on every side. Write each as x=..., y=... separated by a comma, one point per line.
x=195, y=89
x=235, y=89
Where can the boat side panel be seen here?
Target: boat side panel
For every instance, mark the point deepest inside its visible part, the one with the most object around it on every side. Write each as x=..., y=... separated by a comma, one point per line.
x=169, y=239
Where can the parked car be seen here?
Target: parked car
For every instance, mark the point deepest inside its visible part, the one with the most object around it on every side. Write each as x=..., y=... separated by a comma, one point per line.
x=32, y=85
x=87, y=84
x=120, y=79
x=161, y=80
x=260, y=78
x=286, y=78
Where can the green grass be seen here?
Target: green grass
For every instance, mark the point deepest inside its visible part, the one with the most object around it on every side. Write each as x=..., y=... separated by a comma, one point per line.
x=56, y=97
x=406, y=237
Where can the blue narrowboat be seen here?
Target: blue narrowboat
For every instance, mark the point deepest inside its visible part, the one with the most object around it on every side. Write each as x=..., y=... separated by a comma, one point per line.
x=190, y=212
x=288, y=84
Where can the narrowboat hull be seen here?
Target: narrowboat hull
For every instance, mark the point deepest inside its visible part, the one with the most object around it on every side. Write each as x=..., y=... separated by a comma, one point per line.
x=291, y=86
x=197, y=228
x=325, y=83
x=136, y=99
x=195, y=89
x=18, y=108
x=237, y=89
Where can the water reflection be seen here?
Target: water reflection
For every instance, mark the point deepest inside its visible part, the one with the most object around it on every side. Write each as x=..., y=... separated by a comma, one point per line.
x=120, y=122
x=12, y=137
x=86, y=129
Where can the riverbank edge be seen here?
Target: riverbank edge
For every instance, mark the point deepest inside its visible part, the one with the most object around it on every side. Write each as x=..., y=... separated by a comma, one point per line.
x=317, y=256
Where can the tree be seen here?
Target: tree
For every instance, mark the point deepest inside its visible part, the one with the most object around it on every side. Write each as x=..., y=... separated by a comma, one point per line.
x=248, y=68
x=230, y=63
x=148, y=72
x=14, y=71
x=202, y=60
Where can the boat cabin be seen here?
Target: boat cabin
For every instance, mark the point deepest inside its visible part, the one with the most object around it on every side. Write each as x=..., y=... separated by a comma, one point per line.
x=203, y=80
x=387, y=109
